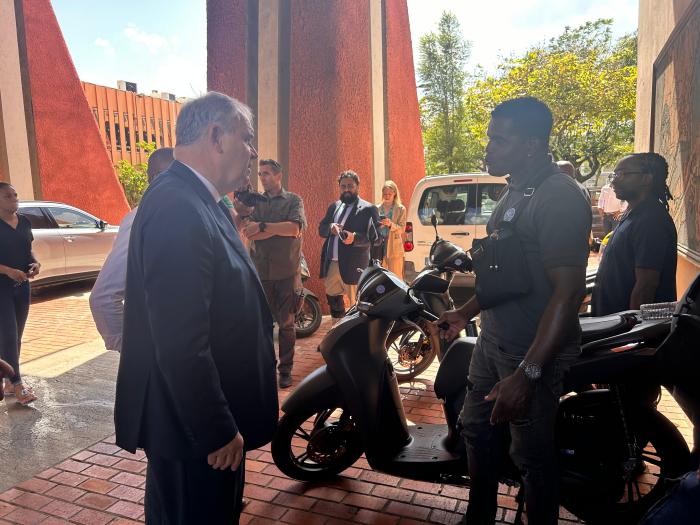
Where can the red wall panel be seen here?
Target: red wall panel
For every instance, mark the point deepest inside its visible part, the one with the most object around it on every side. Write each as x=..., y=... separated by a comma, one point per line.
x=330, y=107
x=405, y=142
x=227, y=47
x=73, y=163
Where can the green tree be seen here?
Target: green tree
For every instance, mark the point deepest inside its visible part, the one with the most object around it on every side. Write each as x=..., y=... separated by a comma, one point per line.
x=441, y=71
x=588, y=80
x=133, y=177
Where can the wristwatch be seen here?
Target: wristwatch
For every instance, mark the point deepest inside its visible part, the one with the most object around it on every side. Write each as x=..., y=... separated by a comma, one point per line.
x=262, y=226
x=532, y=371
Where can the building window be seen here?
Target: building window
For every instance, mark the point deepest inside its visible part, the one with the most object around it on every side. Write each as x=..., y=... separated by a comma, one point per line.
x=97, y=118
x=144, y=134
x=106, y=115
x=153, y=139
x=136, y=134
x=170, y=135
x=108, y=134
x=117, y=136
x=127, y=132
x=160, y=130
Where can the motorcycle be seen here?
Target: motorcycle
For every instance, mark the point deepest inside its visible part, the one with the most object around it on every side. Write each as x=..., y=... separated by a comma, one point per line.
x=308, y=313
x=615, y=450
x=413, y=345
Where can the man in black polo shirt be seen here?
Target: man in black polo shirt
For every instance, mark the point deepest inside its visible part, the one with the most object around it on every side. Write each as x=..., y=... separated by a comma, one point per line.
x=527, y=341
x=639, y=261
x=274, y=232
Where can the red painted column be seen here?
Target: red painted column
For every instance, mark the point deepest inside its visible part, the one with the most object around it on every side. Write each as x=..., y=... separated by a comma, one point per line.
x=74, y=166
x=227, y=47
x=330, y=107
x=405, y=141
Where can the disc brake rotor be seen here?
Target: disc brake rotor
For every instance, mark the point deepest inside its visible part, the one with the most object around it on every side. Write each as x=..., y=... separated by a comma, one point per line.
x=327, y=444
x=411, y=353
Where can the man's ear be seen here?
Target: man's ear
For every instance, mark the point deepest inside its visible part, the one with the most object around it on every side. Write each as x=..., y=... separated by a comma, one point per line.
x=216, y=135
x=647, y=180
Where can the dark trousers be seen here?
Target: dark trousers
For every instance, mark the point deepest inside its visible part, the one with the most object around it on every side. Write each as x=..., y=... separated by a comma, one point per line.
x=532, y=437
x=190, y=492
x=282, y=297
x=14, y=309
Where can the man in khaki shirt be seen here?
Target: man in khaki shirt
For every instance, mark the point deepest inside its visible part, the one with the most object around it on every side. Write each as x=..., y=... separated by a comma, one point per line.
x=275, y=230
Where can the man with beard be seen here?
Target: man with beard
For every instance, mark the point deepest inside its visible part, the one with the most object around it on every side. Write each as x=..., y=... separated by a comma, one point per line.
x=350, y=230
x=639, y=261
x=196, y=384
x=529, y=336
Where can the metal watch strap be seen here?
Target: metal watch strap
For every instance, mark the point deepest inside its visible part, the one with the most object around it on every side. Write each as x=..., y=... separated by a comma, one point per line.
x=532, y=371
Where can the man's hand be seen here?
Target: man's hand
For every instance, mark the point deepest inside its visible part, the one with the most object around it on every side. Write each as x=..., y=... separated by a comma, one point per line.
x=33, y=270
x=456, y=321
x=229, y=455
x=242, y=209
x=512, y=396
x=5, y=371
x=349, y=238
x=251, y=228
x=16, y=275
x=336, y=228
x=386, y=221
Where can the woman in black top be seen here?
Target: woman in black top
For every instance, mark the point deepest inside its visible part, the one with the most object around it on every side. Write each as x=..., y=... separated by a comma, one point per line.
x=17, y=266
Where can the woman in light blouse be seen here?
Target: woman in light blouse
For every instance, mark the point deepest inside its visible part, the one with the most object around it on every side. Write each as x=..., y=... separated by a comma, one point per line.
x=392, y=219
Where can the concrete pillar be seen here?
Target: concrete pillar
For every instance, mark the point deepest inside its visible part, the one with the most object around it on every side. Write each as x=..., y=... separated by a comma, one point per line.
x=15, y=162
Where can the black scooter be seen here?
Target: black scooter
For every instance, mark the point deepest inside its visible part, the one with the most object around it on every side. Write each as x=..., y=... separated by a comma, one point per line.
x=616, y=449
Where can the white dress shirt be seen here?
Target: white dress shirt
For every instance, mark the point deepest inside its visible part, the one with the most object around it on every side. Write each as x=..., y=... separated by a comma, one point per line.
x=107, y=296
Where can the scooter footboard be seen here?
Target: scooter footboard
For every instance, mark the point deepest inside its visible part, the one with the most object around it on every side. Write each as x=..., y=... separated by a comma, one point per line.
x=315, y=389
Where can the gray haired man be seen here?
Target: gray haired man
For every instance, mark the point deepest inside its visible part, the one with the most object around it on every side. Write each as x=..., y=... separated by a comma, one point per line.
x=196, y=384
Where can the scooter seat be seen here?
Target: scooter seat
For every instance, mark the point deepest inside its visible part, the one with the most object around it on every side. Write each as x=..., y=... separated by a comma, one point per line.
x=452, y=374
x=594, y=328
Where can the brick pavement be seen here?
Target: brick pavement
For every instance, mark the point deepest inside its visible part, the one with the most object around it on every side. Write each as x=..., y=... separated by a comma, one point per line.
x=104, y=485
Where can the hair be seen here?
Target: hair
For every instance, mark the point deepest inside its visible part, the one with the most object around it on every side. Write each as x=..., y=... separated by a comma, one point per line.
x=567, y=168
x=213, y=108
x=5, y=185
x=349, y=174
x=393, y=187
x=657, y=166
x=159, y=161
x=276, y=166
x=530, y=116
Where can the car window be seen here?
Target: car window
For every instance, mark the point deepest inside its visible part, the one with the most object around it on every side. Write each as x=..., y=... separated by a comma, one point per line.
x=72, y=219
x=36, y=218
x=449, y=203
x=484, y=204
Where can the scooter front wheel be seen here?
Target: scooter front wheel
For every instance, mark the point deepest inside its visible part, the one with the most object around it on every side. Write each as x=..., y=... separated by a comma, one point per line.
x=314, y=445
x=411, y=351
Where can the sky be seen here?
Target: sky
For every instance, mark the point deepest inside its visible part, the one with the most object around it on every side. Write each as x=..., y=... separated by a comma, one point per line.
x=161, y=44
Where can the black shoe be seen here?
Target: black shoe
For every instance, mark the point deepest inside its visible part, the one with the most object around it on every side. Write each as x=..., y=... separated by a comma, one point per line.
x=285, y=380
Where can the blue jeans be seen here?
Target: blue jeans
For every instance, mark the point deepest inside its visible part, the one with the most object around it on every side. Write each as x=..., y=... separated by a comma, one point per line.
x=14, y=309
x=532, y=445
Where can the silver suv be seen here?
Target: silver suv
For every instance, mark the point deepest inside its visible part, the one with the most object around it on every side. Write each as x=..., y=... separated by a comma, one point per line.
x=70, y=244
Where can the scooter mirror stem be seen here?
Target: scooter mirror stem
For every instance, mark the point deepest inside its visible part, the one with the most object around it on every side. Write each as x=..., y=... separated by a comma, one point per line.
x=433, y=221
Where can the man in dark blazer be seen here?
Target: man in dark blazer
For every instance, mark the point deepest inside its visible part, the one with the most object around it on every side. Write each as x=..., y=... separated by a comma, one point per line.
x=350, y=229
x=196, y=386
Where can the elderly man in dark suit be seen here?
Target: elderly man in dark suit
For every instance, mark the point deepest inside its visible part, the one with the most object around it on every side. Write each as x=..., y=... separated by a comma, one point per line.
x=196, y=385
x=350, y=228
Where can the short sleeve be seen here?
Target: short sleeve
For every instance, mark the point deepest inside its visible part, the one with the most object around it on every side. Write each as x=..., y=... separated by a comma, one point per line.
x=563, y=221
x=296, y=212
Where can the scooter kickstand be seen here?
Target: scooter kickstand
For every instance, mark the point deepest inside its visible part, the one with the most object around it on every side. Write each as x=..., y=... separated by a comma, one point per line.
x=520, y=499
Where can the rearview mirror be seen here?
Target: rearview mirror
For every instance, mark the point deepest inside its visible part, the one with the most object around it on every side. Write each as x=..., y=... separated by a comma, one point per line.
x=101, y=224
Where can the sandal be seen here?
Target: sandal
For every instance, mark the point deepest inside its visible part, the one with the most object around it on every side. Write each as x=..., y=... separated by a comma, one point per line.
x=24, y=395
x=9, y=389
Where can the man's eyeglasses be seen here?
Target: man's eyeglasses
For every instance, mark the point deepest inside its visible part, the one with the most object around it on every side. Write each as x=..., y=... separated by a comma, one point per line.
x=621, y=174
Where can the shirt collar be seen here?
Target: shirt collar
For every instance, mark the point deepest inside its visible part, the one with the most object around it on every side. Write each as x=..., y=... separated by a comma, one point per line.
x=207, y=183
x=547, y=169
x=283, y=194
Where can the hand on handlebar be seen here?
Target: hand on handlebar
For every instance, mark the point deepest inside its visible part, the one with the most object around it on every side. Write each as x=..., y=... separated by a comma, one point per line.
x=450, y=324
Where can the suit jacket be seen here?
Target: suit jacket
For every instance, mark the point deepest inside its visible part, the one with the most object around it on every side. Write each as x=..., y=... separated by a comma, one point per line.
x=197, y=362
x=363, y=222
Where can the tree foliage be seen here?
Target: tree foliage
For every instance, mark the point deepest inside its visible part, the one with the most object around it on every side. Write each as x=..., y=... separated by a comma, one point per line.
x=441, y=71
x=133, y=177
x=589, y=82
